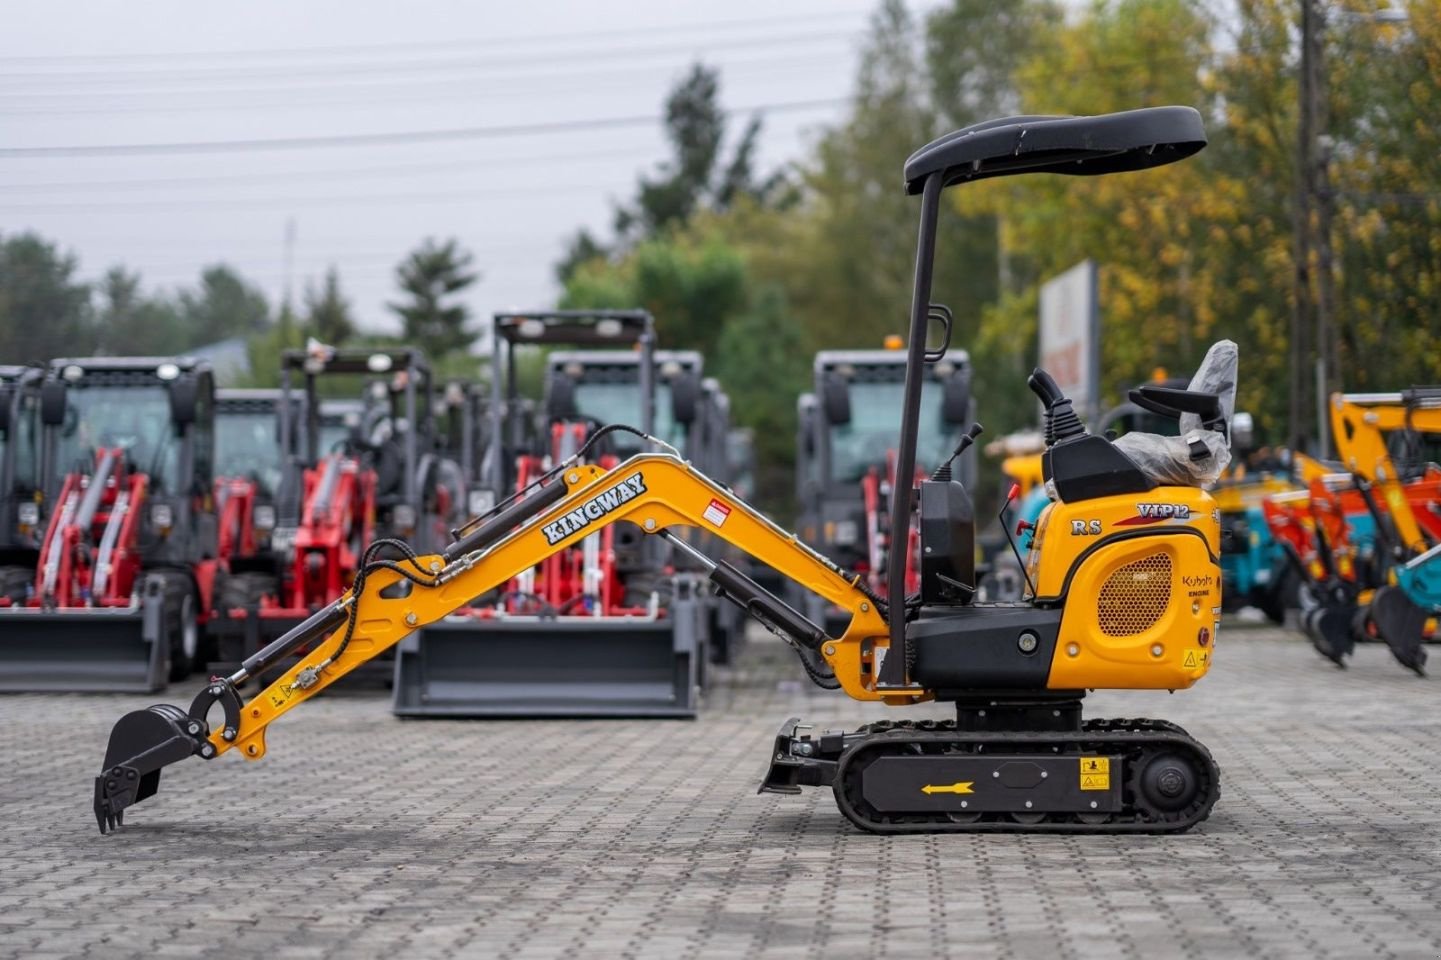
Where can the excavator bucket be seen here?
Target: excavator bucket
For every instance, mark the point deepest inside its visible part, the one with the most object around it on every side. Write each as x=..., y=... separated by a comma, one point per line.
x=1330, y=631
x=86, y=649
x=1402, y=624
x=562, y=667
x=141, y=743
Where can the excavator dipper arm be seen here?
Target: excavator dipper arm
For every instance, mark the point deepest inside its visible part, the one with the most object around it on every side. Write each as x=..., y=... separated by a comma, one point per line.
x=658, y=492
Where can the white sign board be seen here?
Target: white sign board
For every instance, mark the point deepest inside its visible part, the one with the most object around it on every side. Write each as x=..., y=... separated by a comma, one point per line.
x=1070, y=336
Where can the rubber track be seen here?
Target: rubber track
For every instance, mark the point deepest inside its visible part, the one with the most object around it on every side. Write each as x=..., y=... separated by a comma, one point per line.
x=1134, y=740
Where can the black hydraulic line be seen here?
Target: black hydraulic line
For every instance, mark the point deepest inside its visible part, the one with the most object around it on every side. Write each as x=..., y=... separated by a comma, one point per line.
x=506, y=520
x=313, y=627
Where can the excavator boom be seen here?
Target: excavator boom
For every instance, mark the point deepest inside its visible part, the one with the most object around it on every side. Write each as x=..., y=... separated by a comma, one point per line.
x=658, y=492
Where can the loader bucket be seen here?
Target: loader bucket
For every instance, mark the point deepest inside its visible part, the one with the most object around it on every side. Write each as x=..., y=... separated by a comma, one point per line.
x=86, y=650
x=1402, y=624
x=141, y=743
x=564, y=667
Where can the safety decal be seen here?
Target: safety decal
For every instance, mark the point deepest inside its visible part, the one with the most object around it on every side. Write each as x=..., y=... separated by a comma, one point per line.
x=1095, y=773
x=594, y=509
x=716, y=513
x=958, y=787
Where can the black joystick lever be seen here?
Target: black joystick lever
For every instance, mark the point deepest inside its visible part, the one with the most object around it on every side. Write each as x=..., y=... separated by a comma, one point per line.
x=1061, y=420
x=943, y=472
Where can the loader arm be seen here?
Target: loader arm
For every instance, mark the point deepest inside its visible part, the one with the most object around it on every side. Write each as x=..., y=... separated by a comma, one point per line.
x=1360, y=424
x=658, y=493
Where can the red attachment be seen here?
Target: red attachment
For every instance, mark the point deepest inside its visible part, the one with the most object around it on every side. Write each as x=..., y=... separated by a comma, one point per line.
x=583, y=579
x=70, y=572
x=338, y=521
x=1013, y=493
x=874, y=496
x=1023, y=526
x=235, y=503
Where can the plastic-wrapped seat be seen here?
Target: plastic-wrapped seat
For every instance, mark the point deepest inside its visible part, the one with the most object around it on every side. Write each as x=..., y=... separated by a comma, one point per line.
x=1203, y=449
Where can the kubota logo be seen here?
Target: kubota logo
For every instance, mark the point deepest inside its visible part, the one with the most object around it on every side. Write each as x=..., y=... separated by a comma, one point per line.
x=593, y=509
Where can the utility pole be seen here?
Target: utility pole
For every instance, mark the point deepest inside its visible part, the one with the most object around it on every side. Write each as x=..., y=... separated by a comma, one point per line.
x=1304, y=316
x=1322, y=203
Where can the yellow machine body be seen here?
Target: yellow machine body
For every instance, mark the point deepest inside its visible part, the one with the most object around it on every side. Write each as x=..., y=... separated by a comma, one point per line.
x=1140, y=581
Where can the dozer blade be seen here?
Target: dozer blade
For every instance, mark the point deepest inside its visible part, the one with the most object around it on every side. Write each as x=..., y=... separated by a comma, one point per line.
x=88, y=650
x=567, y=667
x=1329, y=629
x=142, y=743
x=1402, y=624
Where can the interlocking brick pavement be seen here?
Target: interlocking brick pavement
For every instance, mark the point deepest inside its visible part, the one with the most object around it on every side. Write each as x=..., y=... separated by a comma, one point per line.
x=361, y=835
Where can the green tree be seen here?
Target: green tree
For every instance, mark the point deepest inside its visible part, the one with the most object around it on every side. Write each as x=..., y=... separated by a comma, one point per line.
x=694, y=178
x=760, y=359
x=327, y=312
x=430, y=317
x=264, y=349
x=130, y=323
x=44, y=309
x=225, y=305
x=692, y=286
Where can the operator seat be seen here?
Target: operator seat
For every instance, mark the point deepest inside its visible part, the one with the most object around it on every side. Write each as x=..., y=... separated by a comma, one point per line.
x=1080, y=466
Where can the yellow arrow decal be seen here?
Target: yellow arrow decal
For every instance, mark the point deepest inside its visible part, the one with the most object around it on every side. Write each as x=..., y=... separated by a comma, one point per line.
x=948, y=787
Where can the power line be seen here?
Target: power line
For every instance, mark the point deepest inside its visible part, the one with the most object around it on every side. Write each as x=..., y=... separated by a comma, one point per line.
x=451, y=44
x=431, y=65
x=370, y=94
x=373, y=139
x=248, y=203
x=330, y=175
x=639, y=152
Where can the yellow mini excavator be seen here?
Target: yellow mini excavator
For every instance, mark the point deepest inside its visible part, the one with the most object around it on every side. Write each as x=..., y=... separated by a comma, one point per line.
x=1124, y=585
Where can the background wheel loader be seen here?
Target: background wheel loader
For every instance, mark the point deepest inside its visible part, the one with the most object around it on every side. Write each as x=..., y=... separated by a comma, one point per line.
x=21, y=496
x=846, y=456
x=347, y=470
x=1125, y=584
x=128, y=559
x=609, y=627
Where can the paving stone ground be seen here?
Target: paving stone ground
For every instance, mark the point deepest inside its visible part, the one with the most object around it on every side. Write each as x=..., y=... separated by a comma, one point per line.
x=361, y=835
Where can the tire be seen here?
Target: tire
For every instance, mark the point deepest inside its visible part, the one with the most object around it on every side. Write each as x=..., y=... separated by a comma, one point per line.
x=182, y=630
x=245, y=590
x=14, y=582
x=1281, y=596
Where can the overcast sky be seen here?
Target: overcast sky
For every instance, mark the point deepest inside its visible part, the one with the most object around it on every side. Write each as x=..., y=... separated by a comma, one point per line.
x=550, y=105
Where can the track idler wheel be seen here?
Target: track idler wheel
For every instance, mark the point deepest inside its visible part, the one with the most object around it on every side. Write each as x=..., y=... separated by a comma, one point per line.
x=1167, y=785
x=1402, y=624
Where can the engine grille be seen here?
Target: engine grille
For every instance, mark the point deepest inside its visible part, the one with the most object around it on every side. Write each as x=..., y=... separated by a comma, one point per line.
x=1135, y=597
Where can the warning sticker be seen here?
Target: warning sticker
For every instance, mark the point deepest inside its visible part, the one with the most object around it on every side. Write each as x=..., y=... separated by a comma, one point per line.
x=716, y=513
x=1190, y=659
x=1095, y=773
